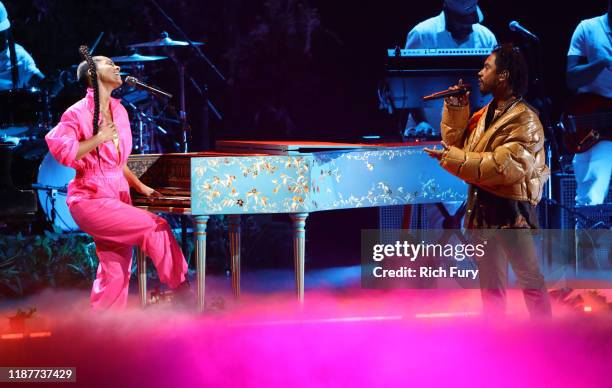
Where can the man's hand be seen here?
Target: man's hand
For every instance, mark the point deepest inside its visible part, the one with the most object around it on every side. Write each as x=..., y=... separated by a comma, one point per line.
x=437, y=153
x=460, y=100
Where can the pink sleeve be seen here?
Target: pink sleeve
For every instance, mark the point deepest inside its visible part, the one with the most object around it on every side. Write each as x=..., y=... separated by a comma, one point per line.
x=63, y=140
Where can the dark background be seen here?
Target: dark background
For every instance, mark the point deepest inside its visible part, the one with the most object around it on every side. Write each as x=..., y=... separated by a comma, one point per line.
x=294, y=69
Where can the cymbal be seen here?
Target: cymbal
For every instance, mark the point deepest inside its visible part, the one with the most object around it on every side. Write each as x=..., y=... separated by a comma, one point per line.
x=164, y=42
x=137, y=58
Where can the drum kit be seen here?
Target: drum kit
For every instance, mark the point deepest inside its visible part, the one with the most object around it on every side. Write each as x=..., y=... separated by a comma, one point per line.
x=28, y=114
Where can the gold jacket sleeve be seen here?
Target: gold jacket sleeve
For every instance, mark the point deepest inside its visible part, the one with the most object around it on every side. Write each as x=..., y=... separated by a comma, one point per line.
x=454, y=124
x=507, y=159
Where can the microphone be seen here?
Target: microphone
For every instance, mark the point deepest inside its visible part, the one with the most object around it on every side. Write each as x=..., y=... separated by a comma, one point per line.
x=449, y=92
x=133, y=81
x=516, y=27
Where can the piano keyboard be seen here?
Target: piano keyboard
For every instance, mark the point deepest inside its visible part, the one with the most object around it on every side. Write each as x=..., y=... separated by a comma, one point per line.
x=436, y=61
x=448, y=52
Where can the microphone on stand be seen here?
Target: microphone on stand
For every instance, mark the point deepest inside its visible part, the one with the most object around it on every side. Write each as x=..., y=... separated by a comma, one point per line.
x=463, y=89
x=516, y=27
x=133, y=81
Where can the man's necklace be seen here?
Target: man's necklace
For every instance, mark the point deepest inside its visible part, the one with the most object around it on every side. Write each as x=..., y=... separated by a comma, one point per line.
x=501, y=109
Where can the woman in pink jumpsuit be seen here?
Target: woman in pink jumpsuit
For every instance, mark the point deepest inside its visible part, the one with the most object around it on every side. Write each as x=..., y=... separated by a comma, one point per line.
x=99, y=196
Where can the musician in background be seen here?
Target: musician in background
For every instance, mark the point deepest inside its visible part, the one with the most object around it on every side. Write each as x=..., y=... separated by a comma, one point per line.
x=499, y=152
x=17, y=68
x=94, y=138
x=589, y=70
x=457, y=26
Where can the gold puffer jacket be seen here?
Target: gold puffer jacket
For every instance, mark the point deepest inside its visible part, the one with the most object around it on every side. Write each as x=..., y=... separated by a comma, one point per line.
x=508, y=159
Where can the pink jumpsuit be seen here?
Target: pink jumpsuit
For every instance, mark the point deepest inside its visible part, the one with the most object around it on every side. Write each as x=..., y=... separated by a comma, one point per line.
x=99, y=201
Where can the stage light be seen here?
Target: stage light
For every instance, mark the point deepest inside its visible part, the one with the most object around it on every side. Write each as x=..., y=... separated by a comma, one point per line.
x=14, y=336
x=40, y=334
x=447, y=315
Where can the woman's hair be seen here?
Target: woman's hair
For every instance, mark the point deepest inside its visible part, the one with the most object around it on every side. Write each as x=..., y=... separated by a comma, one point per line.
x=91, y=76
x=83, y=74
x=86, y=72
x=510, y=58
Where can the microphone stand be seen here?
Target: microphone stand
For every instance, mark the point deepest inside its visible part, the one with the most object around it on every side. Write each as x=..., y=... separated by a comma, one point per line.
x=545, y=114
x=203, y=91
x=542, y=102
x=185, y=129
x=551, y=149
x=141, y=116
x=544, y=107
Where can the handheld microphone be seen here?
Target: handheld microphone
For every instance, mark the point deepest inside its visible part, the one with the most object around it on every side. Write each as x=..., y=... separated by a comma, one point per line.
x=516, y=27
x=133, y=81
x=449, y=92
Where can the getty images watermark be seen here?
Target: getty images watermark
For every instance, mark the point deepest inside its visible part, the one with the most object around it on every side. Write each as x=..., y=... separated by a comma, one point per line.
x=453, y=258
x=412, y=252
x=419, y=259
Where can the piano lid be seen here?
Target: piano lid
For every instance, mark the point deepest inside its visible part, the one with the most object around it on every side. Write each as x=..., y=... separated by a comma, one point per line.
x=285, y=147
x=326, y=180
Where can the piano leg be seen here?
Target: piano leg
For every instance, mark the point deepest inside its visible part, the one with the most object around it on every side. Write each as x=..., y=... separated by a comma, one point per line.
x=234, y=238
x=201, y=223
x=184, y=219
x=141, y=266
x=299, y=240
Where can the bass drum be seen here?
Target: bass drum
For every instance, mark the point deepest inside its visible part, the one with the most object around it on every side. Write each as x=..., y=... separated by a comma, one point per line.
x=53, y=179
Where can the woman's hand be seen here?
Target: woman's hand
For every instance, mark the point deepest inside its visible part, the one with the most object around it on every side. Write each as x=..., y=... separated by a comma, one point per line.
x=107, y=131
x=138, y=186
x=148, y=192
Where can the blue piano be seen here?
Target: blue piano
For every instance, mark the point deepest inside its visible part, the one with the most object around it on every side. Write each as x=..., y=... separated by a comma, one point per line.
x=296, y=178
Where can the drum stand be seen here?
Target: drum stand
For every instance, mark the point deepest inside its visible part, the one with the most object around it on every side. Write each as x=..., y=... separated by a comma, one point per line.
x=203, y=91
x=52, y=192
x=208, y=105
x=146, y=121
x=53, y=196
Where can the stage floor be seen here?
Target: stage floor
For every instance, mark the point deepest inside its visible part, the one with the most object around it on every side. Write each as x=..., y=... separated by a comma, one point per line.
x=342, y=335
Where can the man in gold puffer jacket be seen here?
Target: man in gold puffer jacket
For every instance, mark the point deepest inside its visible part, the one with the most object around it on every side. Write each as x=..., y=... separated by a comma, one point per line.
x=499, y=152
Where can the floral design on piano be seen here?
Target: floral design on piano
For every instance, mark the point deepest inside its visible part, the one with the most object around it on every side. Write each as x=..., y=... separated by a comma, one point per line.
x=283, y=179
x=319, y=181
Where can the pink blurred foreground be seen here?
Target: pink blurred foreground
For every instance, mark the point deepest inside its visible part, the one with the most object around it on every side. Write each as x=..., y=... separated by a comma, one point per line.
x=343, y=336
